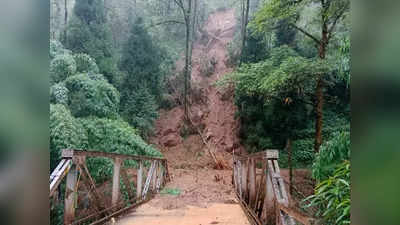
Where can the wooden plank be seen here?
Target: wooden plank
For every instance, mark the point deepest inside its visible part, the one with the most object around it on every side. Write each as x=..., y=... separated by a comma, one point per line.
x=240, y=178
x=269, y=199
x=260, y=187
x=139, y=181
x=59, y=175
x=244, y=179
x=70, y=195
x=252, y=182
x=58, y=167
x=127, y=183
x=115, y=181
x=69, y=153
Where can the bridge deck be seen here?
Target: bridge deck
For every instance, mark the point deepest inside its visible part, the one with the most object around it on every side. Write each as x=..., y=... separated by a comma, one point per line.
x=218, y=213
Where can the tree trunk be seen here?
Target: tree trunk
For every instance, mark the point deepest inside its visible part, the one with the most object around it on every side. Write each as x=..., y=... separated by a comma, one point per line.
x=290, y=165
x=65, y=20
x=319, y=92
x=245, y=21
x=187, y=59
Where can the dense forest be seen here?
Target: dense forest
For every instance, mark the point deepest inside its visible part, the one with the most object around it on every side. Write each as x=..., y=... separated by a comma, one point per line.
x=112, y=65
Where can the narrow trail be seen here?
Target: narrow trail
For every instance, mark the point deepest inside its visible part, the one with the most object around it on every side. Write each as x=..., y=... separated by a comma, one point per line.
x=206, y=195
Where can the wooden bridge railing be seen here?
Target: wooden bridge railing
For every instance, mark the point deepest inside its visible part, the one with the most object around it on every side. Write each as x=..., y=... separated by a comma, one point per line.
x=261, y=190
x=88, y=202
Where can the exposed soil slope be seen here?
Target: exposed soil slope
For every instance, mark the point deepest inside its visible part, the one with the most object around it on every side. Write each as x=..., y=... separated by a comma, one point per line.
x=210, y=110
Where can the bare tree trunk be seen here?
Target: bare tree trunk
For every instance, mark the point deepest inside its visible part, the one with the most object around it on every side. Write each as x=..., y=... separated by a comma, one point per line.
x=187, y=59
x=245, y=21
x=290, y=164
x=65, y=20
x=319, y=92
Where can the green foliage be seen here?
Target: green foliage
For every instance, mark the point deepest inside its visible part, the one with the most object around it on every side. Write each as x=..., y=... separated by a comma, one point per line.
x=331, y=154
x=59, y=94
x=88, y=33
x=92, y=97
x=256, y=49
x=139, y=108
x=61, y=67
x=85, y=64
x=141, y=60
x=115, y=136
x=65, y=133
x=56, y=48
x=332, y=197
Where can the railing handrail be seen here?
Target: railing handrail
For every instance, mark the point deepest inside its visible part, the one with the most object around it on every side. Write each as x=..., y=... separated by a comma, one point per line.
x=70, y=153
x=269, y=153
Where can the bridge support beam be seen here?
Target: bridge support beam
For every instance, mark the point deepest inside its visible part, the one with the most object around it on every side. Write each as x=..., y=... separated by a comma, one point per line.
x=139, y=182
x=252, y=179
x=245, y=170
x=115, y=184
x=70, y=195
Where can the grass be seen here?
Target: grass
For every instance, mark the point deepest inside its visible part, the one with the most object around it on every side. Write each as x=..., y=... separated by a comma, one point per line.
x=171, y=191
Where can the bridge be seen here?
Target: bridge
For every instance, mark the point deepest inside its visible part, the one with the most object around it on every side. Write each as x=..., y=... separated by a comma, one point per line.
x=256, y=179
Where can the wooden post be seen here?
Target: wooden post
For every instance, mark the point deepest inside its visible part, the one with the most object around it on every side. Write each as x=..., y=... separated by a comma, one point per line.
x=252, y=179
x=70, y=195
x=115, y=185
x=154, y=178
x=139, y=180
x=244, y=179
x=269, y=199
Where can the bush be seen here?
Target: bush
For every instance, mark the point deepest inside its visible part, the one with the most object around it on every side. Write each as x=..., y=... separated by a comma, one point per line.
x=65, y=132
x=85, y=64
x=61, y=67
x=332, y=197
x=92, y=97
x=56, y=48
x=59, y=94
x=330, y=155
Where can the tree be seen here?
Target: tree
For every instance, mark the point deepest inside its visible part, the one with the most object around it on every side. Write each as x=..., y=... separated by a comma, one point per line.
x=187, y=16
x=331, y=12
x=142, y=87
x=88, y=33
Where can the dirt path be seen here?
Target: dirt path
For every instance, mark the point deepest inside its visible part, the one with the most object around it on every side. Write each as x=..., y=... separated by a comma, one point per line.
x=202, y=195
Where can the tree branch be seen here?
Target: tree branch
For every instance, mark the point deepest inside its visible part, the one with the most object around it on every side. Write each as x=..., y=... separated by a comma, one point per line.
x=306, y=33
x=338, y=16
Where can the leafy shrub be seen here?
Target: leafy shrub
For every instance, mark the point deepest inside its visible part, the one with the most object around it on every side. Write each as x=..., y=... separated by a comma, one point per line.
x=330, y=155
x=92, y=97
x=115, y=136
x=85, y=64
x=332, y=197
x=59, y=94
x=56, y=48
x=61, y=67
x=65, y=132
